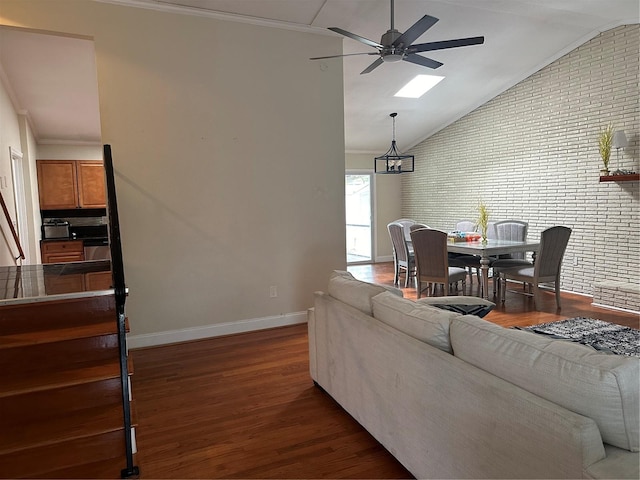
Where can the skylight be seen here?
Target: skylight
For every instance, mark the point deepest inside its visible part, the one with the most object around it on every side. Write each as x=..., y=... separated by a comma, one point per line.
x=420, y=85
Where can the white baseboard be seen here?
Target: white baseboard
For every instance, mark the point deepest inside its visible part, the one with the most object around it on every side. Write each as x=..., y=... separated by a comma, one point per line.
x=610, y=307
x=217, y=330
x=384, y=258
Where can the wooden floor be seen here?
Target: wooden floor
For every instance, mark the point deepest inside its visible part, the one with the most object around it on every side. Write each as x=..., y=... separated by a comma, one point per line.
x=244, y=406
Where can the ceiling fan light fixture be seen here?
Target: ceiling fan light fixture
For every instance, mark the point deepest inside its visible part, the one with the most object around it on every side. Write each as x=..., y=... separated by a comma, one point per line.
x=393, y=57
x=418, y=86
x=393, y=161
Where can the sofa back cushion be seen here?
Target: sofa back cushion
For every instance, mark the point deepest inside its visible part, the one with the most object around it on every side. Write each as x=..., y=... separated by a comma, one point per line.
x=600, y=386
x=346, y=288
x=423, y=322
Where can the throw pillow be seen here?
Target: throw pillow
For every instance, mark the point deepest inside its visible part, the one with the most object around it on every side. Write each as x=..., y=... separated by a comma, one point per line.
x=462, y=304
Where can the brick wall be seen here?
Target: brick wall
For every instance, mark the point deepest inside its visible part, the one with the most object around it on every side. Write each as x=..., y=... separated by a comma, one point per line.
x=531, y=153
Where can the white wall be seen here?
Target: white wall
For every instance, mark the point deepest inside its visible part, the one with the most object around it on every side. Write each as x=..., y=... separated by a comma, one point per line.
x=228, y=147
x=532, y=154
x=9, y=137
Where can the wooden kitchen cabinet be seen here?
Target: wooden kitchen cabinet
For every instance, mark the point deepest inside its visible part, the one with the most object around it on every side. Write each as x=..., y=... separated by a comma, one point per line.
x=92, y=192
x=66, y=184
x=98, y=280
x=57, y=184
x=62, y=251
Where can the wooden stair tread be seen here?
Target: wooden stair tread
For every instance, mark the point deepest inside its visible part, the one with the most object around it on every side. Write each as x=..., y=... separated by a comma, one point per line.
x=81, y=424
x=56, y=335
x=109, y=468
x=61, y=413
x=61, y=378
x=95, y=456
x=43, y=336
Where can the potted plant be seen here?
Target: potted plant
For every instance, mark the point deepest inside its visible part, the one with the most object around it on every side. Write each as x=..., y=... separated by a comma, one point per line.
x=604, y=144
x=483, y=220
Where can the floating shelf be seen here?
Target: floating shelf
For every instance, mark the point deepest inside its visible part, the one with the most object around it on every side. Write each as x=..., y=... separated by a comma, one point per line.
x=634, y=177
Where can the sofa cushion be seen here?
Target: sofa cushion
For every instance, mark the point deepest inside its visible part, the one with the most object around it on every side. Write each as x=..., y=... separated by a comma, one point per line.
x=346, y=288
x=600, y=386
x=463, y=304
x=423, y=322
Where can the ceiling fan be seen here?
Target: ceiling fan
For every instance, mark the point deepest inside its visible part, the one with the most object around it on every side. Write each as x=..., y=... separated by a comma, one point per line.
x=395, y=46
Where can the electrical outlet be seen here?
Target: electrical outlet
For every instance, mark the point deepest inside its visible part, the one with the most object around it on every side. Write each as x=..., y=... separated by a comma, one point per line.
x=273, y=291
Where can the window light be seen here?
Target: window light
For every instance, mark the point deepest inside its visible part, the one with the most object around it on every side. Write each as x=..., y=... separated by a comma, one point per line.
x=419, y=86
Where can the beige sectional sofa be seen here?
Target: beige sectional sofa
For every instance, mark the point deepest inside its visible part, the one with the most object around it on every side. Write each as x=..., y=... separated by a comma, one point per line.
x=456, y=396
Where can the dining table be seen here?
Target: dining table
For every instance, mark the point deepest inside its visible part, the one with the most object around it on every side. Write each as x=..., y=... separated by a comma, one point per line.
x=490, y=248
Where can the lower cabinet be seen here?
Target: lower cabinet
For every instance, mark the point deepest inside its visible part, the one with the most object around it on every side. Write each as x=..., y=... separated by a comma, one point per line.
x=62, y=251
x=97, y=280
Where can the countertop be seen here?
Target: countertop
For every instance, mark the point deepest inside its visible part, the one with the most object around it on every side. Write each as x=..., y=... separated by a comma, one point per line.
x=57, y=281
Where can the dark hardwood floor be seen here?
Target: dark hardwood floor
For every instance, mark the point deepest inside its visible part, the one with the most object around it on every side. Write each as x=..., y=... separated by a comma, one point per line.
x=244, y=406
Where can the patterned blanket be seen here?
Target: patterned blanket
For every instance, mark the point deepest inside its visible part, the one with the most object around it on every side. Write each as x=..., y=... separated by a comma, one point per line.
x=601, y=335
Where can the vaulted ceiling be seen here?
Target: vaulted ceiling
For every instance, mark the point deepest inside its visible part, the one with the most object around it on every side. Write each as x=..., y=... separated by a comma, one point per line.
x=521, y=36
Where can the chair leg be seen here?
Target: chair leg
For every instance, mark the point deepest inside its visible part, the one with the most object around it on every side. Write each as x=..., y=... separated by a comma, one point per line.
x=558, y=294
x=536, y=297
x=406, y=278
x=503, y=286
x=396, y=277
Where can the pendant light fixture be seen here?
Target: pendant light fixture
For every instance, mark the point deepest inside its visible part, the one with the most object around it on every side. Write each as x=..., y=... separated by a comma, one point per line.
x=393, y=161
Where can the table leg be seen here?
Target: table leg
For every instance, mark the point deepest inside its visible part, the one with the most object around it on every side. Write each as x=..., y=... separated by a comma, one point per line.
x=484, y=267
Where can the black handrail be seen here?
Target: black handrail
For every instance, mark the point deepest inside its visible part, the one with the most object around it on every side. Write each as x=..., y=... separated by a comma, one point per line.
x=117, y=272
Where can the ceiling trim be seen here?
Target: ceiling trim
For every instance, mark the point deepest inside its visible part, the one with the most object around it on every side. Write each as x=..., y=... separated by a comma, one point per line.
x=200, y=12
x=84, y=143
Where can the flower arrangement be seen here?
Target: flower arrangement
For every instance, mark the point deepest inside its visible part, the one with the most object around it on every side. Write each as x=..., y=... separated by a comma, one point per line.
x=605, y=139
x=483, y=219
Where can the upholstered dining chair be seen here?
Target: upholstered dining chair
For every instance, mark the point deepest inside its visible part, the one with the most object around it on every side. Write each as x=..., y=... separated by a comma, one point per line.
x=406, y=225
x=465, y=226
x=546, y=269
x=432, y=262
x=403, y=257
x=509, y=230
x=417, y=226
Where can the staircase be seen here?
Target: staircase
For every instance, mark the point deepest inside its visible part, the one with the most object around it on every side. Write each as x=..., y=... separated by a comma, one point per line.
x=61, y=395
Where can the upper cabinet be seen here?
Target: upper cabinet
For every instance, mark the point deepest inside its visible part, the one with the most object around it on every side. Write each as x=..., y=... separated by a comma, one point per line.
x=65, y=184
x=92, y=192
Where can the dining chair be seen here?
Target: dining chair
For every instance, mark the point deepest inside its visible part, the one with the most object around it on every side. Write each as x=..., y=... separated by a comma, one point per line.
x=472, y=262
x=403, y=257
x=509, y=230
x=432, y=262
x=465, y=226
x=417, y=226
x=406, y=225
x=546, y=268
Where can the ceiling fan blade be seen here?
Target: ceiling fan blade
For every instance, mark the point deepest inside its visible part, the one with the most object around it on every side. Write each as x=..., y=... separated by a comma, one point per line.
x=344, y=55
x=366, y=41
x=414, y=32
x=460, y=42
x=374, y=65
x=424, y=61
